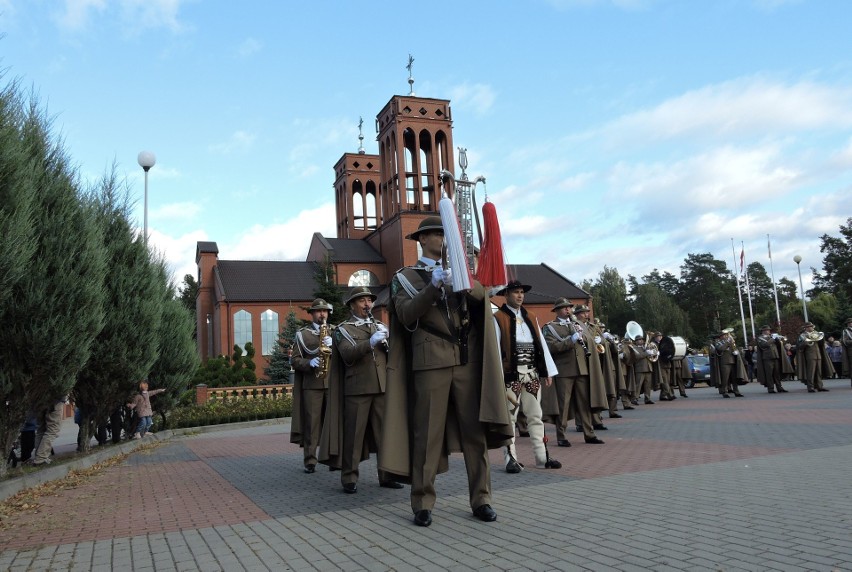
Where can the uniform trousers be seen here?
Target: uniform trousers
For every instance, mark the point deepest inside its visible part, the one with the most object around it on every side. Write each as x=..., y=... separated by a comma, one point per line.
x=644, y=384
x=772, y=373
x=665, y=380
x=313, y=410
x=434, y=391
x=576, y=399
x=532, y=409
x=813, y=373
x=727, y=382
x=360, y=412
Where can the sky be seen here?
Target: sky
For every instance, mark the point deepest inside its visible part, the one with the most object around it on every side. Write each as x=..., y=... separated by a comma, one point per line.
x=625, y=133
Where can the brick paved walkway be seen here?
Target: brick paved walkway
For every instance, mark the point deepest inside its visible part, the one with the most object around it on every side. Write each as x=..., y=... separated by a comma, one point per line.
x=761, y=483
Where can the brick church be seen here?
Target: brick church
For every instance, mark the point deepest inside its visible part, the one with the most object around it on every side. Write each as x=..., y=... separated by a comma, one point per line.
x=379, y=200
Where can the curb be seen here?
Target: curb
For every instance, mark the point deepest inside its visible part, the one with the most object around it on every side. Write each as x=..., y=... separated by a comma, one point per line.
x=60, y=469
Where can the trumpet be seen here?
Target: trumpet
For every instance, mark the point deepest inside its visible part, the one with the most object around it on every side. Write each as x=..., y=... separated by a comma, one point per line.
x=599, y=347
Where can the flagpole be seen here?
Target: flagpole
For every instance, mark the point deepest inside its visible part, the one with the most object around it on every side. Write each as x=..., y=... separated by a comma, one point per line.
x=739, y=292
x=748, y=291
x=774, y=286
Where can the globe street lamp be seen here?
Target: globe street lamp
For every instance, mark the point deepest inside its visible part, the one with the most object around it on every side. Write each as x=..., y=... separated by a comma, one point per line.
x=146, y=161
x=797, y=259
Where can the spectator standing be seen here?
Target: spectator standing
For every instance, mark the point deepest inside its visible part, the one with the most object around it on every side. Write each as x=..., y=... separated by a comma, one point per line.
x=142, y=404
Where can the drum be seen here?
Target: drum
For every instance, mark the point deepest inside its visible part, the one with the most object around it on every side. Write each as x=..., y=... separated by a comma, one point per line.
x=680, y=348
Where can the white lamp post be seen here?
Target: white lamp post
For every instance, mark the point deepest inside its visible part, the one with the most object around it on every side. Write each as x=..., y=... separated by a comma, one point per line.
x=146, y=161
x=797, y=259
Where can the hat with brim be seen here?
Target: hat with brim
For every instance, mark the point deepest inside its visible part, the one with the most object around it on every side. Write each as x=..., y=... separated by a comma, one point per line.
x=764, y=328
x=427, y=224
x=579, y=308
x=562, y=303
x=848, y=321
x=514, y=285
x=320, y=304
x=808, y=325
x=360, y=292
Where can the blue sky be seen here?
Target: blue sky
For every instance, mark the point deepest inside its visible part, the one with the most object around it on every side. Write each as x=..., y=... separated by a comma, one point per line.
x=623, y=132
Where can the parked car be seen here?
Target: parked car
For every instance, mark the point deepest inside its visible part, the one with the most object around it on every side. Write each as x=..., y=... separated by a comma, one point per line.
x=699, y=365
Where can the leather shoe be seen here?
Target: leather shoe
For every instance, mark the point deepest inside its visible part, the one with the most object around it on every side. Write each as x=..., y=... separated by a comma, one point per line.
x=350, y=488
x=771, y=391
x=523, y=433
x=738, y=394
x=822, y=389
x=310, y=468
x=599, y=427
x=423, y=517
x=782, y=390
x=649, y=402
x=579, y=428
x=485, y=513
x=726, y=396
x=811, y=390
x=513, y=467
x=614, y=416
x=563, y=443
x=634, y=401
x=629, y=407
x=390, y=485
x=663, y=398
x=594, y=441
x=684, y=395
x=550, y=464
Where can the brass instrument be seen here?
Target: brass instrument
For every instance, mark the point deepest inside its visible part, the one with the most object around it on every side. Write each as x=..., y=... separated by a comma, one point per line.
x=634, y=331
x=812, y=337
x=324, y=351
x=652, y=350
x=599, y=333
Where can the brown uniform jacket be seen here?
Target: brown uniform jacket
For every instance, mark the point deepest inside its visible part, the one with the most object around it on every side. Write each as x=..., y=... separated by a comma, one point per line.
x=304, y=350
x=421, y=338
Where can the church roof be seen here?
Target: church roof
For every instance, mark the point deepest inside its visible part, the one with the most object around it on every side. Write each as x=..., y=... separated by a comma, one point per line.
x=547, y=284
x=258, y=280
x=353, y=250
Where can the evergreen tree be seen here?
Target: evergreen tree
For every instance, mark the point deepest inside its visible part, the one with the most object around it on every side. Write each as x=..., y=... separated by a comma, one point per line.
x=178, y=357
x=656, y=310
x=279, y=362
x=611, y=303
x=327, y=289
x=187, y=292
x=129, y=341
x=48, y=331
x=708, y=293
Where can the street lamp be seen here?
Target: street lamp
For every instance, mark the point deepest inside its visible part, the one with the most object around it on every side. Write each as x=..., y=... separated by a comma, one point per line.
x=146, y=161
x=797, y=259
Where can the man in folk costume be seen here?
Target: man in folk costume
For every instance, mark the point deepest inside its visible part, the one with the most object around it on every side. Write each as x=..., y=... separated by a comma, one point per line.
x=726, y=364
x=354, y=419
x=444, y=386
x=812, y=362
x=769, y=360
x=665, y=363
x=526, y=364
x=846, y=343
x=574, y=361
x=311, y=354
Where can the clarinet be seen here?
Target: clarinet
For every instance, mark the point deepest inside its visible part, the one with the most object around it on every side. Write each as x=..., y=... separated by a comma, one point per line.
x=384, y=341
x=579, y=329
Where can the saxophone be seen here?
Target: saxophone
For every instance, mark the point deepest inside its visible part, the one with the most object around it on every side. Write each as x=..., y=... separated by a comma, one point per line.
x=324, y=351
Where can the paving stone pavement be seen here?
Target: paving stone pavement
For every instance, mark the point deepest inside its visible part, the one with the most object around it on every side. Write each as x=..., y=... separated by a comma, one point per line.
x=704, y=483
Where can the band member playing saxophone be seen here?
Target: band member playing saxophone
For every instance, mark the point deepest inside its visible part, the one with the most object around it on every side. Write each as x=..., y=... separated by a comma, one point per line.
x=310, y=382
x=527, y=364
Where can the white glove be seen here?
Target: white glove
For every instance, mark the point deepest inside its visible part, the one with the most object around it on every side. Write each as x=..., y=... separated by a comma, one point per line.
x=576, y=336
x=380, y=327
x=326, y=341
x=597, y=339
x=735, y=352
x=437, y=276
x=774, y=336
x=608, y=336
x=377, y=338
x=621, y=355
x=315, y=362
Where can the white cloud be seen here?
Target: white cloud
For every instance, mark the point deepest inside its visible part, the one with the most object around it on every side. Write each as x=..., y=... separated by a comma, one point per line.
x=751, y=106
x=179, y=252
x=239, y=142
x=283, y=241
x=75, y=14
x=153, y=14
x=250, y=46
x=176, y=211
x=477, y=98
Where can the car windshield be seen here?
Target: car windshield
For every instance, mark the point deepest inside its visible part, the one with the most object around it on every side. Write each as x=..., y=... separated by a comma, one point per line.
x=700, y=360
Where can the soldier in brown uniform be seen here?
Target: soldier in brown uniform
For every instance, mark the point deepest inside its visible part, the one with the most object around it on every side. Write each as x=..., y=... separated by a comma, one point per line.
x=726, y=364
x=811, y=358
x=571, y=350
x=445, y=386
x=310, y=384
x=356, y=392
x=769, y=360
x=643, y=369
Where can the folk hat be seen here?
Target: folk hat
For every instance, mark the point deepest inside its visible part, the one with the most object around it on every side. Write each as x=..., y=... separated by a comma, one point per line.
x=512, y=286
x=320, y=304
x=581, y=308
x=427, y=224
x=562, y=303
x=360, y=292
